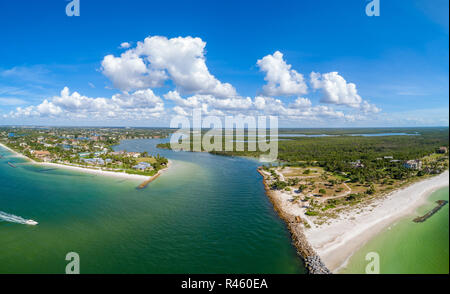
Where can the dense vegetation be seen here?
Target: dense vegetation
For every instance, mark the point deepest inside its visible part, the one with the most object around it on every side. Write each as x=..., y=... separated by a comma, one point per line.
x=336, y=153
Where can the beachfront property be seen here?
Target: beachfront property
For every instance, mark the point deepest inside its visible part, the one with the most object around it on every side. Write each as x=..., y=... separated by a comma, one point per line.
x=41, y=154
x=413, y=164
x=143, y=166
x=96, y=161
x=81, y=147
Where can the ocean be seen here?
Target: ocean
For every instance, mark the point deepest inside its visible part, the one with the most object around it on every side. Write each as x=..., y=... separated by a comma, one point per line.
x=206, y=214
x=407, y=247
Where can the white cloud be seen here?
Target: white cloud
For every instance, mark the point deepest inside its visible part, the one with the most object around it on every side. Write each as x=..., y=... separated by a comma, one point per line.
x=210, y=103
x=125, y=45
x=337, y=91
x=300, y=109
x=158, y=58
x=129, y=72
x=182, y=60
x=142, y=104
x=301, y=103
x=180, y=111
x=366, y=107
x=281, y=79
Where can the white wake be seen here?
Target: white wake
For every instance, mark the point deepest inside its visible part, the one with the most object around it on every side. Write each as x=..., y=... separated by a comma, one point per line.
x=15, y=219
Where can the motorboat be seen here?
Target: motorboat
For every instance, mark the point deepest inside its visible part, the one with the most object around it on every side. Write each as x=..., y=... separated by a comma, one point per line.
x=31, y=222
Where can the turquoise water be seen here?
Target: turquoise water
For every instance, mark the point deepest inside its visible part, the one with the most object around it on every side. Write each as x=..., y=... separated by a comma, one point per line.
x=411, y=248
x=207, y=214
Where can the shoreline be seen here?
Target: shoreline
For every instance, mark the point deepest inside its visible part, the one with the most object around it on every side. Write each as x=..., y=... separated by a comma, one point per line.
x=313, y=262
x=101, y=172
x=338, y=240
x=17, y=153
x=336, y=243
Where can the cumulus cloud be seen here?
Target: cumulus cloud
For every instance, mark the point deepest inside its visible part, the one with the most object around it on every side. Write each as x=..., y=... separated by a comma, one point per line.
x=129, y=72
x=142, y=104
x=366, y=107
x=301, y=103
x=300, y=109
x=125, y=45
x=337, y=91
x=157, y=59
x=281, y=79
x=209, y=103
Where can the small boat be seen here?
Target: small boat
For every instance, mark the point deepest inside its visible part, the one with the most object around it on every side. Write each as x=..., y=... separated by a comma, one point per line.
x=31, y=222
x=12, y=165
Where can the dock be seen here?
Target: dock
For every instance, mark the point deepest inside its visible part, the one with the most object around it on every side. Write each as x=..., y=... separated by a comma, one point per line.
x=421, y=219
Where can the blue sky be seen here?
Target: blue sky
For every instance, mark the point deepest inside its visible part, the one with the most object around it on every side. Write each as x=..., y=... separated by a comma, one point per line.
x=397, y=62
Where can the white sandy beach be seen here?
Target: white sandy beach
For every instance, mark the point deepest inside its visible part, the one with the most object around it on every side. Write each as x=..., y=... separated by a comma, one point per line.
x=15, y=153
x=95, y=171
x=336, y=242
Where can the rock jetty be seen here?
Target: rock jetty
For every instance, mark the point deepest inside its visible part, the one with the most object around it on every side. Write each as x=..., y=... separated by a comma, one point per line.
x=313, y=262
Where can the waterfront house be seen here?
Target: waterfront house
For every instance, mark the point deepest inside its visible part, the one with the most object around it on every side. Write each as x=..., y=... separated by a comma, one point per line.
x=413, y=164
x=41, y=154
x=94, y=161
x=143, y=166
x=442, y=150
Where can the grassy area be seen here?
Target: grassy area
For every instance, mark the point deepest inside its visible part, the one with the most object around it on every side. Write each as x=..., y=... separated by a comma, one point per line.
x=146, y=159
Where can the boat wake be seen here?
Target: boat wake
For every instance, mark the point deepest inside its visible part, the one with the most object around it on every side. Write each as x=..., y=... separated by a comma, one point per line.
x=16, y=219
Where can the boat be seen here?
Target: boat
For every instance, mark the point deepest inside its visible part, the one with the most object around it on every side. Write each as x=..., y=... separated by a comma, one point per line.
x=11, y=165
x=31, y=222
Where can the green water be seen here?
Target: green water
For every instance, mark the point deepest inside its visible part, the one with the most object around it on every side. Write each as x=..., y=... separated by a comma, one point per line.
x=411, y=248
x=207, y=214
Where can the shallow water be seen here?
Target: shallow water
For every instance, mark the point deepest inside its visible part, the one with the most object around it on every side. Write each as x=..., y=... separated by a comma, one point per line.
x=408, y=247
x=207, y=214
